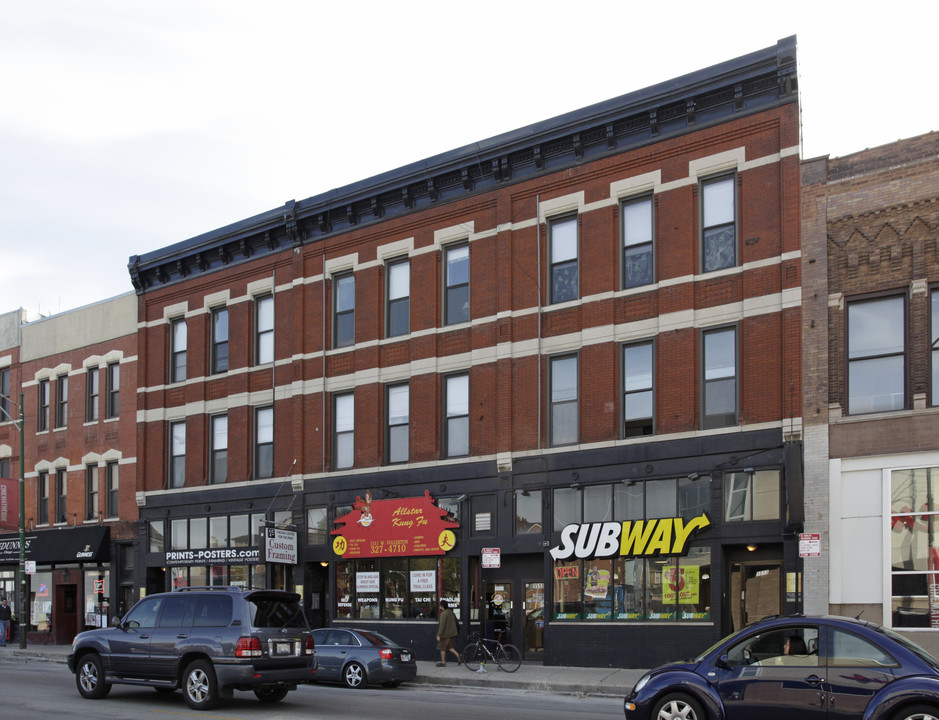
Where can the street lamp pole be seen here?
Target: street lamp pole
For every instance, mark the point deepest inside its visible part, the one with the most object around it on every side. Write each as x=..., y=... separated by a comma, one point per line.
x=21, y=605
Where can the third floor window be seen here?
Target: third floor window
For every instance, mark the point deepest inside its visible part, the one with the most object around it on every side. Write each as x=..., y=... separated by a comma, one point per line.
x=399, y=298
x=563, y=419
x=61, y=401
x=264, y=330
x=219, y=340
x=638, y=396
x=344, y=430
x=637, y=242
x=43, y=420
x=562, y=237
x=720, y=377
x=91, y=395
x=178, y=343
x=876, y=355
x=456, y=284
x=718, y=223
x=344, y=311
x=114, y=390
x=264, y=442
x=398, y=410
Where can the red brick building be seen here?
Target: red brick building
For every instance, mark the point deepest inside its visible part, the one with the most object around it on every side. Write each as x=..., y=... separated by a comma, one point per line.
x=76, y=373
x=579, y=340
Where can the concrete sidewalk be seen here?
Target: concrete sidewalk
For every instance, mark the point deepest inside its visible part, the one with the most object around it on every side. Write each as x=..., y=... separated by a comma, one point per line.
x=530, y=676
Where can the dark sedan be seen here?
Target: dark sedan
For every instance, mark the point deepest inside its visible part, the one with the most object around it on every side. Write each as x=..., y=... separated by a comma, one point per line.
x=361, y=657
x=811, y=668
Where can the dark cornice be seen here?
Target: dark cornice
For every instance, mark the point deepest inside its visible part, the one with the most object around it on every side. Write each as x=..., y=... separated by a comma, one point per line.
x=748, y=84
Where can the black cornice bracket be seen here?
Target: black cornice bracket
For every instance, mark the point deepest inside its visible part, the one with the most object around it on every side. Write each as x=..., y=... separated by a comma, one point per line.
x=376, y=207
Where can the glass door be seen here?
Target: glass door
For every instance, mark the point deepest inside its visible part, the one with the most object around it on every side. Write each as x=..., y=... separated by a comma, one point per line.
x=499, y=611
x=533, y=609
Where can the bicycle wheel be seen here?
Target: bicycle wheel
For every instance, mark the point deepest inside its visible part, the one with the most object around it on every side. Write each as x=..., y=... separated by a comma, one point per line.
x=508, y=657
x=472, y=656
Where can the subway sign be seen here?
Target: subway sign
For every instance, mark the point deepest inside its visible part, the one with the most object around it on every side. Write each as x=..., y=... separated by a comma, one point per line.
x=631, y=538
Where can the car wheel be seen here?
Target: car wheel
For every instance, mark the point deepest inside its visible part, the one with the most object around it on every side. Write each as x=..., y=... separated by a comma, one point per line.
x=271, y=695
x=200, y=687
x=90, y=678
x=354, y=675
x=918, y=712
x=678, y=707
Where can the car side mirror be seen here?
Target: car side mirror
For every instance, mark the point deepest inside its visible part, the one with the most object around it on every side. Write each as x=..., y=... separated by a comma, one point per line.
x=723, y=662
x=115, y=621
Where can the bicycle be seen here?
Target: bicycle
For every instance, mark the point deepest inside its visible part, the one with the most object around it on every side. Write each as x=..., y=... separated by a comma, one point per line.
x=506, y=656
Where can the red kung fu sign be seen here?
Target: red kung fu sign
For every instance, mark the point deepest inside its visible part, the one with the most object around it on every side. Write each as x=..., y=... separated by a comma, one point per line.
x=393, y=528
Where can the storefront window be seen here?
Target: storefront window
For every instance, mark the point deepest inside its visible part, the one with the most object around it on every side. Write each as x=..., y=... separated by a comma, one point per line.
x=97, y=603
x=694, y=497
x=198, y=533
x=598, y=589
x=258, y=576
x=423, y=587
x=155, y=533
x=240, y=532
x=567, y=508
x=345, y=588
x=238, y=576
x=661, y=591
x=528, y=512
x=218, y=531
x=628, y=587
x=567, y=590
x=198, y=576
x=629, y=501
x=367, y=587
x=598, y=503
x=40, y=602
x=396, y=588
x=914, y=548
x=661, y=497
x=694, y=586
x=751, y=496
x=317, y=529
x=179, y=540
x=450, y=583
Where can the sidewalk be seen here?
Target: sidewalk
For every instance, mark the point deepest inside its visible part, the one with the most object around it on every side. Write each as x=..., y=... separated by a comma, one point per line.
x=530, y=676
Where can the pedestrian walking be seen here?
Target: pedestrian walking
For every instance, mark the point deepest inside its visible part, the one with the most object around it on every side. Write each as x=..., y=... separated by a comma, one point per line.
x=5, y=616
x=446, y=634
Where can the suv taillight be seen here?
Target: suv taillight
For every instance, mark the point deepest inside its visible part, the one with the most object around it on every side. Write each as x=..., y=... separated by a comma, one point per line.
x=386, y=653
x=309, y=646
x=248, y=647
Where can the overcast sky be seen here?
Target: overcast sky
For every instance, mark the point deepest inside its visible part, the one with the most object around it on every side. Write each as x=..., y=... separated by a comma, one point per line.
x=129, y=125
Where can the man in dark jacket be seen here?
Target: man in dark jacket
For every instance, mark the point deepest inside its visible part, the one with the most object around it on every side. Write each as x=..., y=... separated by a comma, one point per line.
x=446, y=634
x=5, y=616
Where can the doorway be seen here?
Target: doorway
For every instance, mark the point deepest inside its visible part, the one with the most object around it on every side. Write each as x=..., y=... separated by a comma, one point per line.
x=512, y=601
x=65, y=619
x=755, y=587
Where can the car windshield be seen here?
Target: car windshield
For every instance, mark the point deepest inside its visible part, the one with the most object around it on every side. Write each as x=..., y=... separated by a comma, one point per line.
x=719, y=642
x=909, y=645
x=268, y=612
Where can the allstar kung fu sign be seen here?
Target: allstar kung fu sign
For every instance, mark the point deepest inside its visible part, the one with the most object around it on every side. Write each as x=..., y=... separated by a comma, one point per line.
x=394, y=528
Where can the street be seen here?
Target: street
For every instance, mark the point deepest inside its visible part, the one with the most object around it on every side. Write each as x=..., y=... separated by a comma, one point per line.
x=47, y=690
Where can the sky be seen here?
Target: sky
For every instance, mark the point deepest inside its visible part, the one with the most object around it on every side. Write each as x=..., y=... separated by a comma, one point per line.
x=130, y=125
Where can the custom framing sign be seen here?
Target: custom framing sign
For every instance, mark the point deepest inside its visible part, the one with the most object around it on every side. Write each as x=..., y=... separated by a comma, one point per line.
x=394, y=528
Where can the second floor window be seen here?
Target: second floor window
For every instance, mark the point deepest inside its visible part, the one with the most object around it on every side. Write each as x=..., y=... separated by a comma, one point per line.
x=264, y=442
x=114, y=390
x=876, y=355
x=399, y=298
x=61, y=401
x=5, y=395
x=718, y=223
x=456, y=285
x=42, y=421
x=398, y=408
x=720, y=378
x=178, y=343
x=638, y=396
x=563, y=243
x=113, y=483
x=456, y=392
x=934, y=346
x=43, y=499
x=264, y=330
x=637, y=242
x=344, y=434
x=219, y=340
x=91, y=395
x=344, y=313
x=91, y=492
x=564, y=416
x=218, y=463
x=61, y=516
x=177, y=469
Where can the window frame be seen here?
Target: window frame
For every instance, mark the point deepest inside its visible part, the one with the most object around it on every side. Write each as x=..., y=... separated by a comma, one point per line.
x=400, y=304
x=219, y=360
x=44, y=403
x=264, y=351
x=263, y=468
x=61, y=494
x=179, y=341
x=554, y=266
x=113, y=390
x=61, y=401
x=629, y=425
x=92, y=393
x=5, y=399
x=451, y=418
x=393, y=429
x=850, y=400
x=343, y=316
x=343, y=432
x=176, y=466
x=42, y=497
x=555, y=404
x=451, y=302
x=704, y=184
x=719, y=420
x=112, y=489
x=626, y=245
x=218, y=456
x=91, y=492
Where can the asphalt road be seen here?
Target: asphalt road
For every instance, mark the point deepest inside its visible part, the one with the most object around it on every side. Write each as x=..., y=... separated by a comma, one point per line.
x=47, y=690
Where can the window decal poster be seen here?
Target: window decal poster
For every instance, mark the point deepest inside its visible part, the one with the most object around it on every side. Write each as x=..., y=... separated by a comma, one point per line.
x=394, y=528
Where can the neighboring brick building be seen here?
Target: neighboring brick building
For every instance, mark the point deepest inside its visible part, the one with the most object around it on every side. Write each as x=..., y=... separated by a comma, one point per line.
x=76, y=372
x=595, y=319
x=870, y=231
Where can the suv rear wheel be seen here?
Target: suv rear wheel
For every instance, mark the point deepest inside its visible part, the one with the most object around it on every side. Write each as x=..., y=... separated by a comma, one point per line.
x=90, y=678
x=200, y=687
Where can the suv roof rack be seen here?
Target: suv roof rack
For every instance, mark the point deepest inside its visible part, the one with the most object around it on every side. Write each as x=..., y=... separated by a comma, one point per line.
x=217, y=588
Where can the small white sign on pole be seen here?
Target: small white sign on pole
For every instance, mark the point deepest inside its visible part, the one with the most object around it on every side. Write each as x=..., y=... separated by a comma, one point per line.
x=492, y=557
x=810, y=544
x=30, y=567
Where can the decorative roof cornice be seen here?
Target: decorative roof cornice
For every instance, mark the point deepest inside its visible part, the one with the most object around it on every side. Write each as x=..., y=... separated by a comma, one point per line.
x=748, y=84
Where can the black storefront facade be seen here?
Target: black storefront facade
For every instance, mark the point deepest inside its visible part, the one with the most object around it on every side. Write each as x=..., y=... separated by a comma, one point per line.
x=620, y=556
x=70, y=581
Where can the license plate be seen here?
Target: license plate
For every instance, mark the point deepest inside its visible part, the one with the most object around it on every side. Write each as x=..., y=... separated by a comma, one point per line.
x=283, y=648
x=406, y=657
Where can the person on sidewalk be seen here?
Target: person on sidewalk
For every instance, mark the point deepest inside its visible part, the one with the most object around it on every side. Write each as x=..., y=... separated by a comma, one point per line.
x=446, y=634
x=5, y=616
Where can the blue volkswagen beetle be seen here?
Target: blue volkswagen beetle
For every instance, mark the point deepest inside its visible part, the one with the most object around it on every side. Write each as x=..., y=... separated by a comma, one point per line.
x=810, y=668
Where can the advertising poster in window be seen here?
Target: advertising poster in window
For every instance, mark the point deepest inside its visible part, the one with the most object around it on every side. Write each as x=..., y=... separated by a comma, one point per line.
x=394, y=528
x=423, y=581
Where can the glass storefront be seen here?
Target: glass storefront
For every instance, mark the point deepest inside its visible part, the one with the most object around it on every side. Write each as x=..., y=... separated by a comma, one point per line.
x=396, y=588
